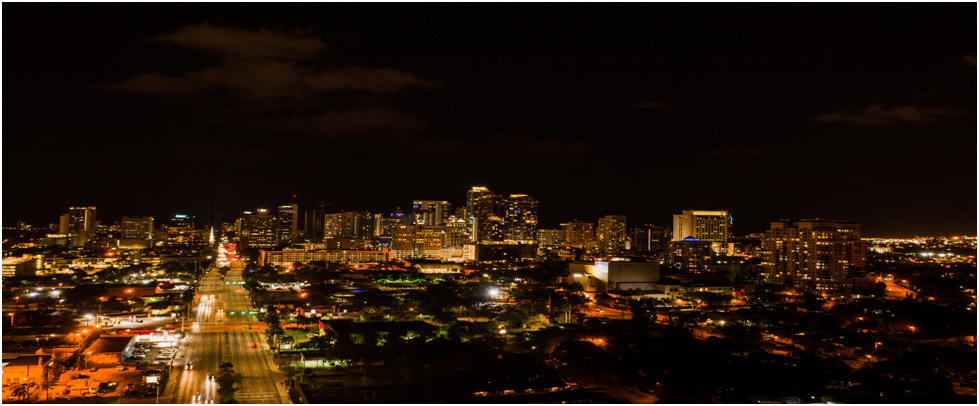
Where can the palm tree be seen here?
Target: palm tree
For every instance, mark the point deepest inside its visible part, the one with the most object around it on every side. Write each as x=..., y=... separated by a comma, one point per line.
x=19, y=391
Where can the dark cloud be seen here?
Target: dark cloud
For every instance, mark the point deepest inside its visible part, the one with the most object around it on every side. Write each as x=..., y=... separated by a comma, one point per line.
x=243, y=44
x=969, y=59
x=659, y=107
x=359, y=119
x=878, y=115
x=268, y=73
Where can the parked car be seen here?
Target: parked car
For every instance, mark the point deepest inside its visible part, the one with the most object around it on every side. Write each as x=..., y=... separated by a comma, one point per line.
x=120, y=368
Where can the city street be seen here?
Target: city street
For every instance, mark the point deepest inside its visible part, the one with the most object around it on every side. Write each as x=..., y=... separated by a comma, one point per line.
x=224, y=331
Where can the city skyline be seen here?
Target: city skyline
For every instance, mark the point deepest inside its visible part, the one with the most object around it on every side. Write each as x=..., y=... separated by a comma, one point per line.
x=642, y=110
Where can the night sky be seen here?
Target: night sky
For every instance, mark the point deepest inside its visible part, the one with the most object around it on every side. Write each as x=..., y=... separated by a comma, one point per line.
x=852, y=112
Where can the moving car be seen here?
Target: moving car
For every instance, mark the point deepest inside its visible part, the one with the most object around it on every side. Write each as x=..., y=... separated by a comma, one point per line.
x=253, y=345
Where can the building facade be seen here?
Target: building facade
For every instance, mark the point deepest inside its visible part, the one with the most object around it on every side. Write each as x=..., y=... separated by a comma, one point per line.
x=288, y=227
x=650, y=238
x=578, y=234
x=287, y=258
x=815, y=255
x=520, y=219
x=137, y=228
x=611, y=234
x=258, y=229
x=703, y=225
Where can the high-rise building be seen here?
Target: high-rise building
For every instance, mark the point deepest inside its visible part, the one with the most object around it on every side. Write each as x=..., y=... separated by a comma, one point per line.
x=816, y=255
x=417, y=241
x=81, y=219
x=611, y=234
x=472, y=196
x=578, y=234
x=288, y=228
x=711, y=226
x=456, y=233
x=258, y=229
x=384, y=224
x=358, y=224
x=549, y=238
x=690, y=255
x=520, y=221
x=430, y=212
x=137, y=228
x=79, y=224
x=488, y=216
x=650, y=238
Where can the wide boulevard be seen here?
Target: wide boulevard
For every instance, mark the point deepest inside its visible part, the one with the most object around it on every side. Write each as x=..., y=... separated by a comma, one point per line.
x=225, y=330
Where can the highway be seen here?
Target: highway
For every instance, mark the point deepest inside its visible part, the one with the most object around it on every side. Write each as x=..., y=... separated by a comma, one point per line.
x=224, y=331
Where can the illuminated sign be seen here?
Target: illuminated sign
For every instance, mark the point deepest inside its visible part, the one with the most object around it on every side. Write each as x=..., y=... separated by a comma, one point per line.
x=179, y=216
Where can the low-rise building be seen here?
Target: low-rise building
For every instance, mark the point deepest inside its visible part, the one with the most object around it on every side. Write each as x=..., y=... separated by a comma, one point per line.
x=603, y=276
x=334, y=256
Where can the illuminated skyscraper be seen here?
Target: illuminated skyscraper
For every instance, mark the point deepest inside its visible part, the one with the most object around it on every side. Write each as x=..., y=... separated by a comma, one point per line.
x=489, y=212
x=137, y=228
x=430, y=212
x=258, y=229
x=711, y=226
x=417, y=241
x=472, y=196
x=79, y=224
x=520, y=221
x=611, y=234
x=288, y=228
x=578, y=234
x=815, y=255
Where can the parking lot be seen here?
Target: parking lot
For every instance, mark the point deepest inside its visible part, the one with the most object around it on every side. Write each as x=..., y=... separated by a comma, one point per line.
x=150, y=352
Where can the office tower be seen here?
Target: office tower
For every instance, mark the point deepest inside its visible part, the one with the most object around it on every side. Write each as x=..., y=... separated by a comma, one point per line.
x=488, y=216
x=520, y=221
x=472, y=195
x=611, y=234
x=81, y=219
x=384, y=224
x=456, y=233
x=357, y=224
x=179, y=231
x=63, y=221
x=79, y=224
x=578, y=234
x=315, y=223
x=815, y=255
x=690, y=255
x=181, y=221
x=549, y=238
x=430, y=212
x=258, y=229
x=137, y=228
x=331, y=225
x=703, y=225
x=650, y=238
x=417, y=241
x=288, y=228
